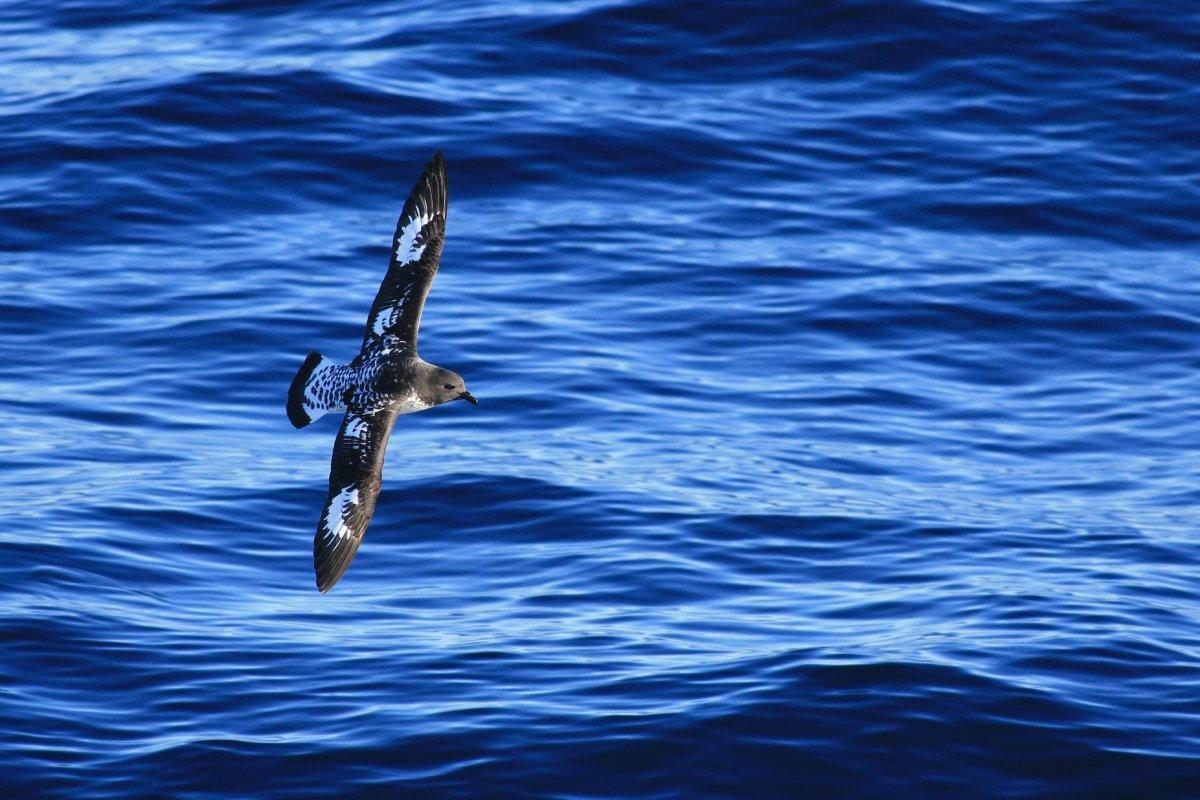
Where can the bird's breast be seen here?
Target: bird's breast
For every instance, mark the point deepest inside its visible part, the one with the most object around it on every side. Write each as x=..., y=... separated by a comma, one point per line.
x=411, y=403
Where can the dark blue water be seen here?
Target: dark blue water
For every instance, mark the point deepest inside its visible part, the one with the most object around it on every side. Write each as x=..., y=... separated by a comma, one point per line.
x=839, y=368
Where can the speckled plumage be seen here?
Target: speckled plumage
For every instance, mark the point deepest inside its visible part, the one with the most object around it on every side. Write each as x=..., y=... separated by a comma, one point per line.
x=376, y=378
x=385, y=379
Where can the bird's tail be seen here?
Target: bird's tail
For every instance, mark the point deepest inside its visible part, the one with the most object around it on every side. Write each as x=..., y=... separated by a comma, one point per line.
x=302, y=406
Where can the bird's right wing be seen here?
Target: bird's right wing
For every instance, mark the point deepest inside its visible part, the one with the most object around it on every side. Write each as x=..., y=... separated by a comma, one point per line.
x=355, y=474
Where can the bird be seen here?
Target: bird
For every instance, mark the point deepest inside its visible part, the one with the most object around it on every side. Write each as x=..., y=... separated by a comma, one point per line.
x=386, y=379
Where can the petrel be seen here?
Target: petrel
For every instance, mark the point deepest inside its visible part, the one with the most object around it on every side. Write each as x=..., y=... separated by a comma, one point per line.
x=386, y=379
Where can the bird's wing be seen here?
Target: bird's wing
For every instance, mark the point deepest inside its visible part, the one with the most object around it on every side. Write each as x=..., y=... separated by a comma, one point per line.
x=416, y=251
x=355, y=474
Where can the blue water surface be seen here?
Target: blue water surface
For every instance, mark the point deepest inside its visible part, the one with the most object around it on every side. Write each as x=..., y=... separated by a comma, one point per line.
x=839, y=368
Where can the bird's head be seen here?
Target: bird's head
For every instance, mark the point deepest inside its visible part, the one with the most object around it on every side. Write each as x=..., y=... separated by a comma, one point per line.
x=444, y=385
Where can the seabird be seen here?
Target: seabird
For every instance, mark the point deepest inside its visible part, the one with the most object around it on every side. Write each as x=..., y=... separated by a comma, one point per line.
x=387, y=378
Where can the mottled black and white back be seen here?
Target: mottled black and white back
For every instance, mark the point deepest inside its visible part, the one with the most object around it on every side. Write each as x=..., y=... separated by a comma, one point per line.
x=384, y=380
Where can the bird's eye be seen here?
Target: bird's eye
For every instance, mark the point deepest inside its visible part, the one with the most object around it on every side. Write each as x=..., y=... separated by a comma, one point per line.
x=449, y=386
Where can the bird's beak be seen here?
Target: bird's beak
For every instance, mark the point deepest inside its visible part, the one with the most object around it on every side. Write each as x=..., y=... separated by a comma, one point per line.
x=469, y=398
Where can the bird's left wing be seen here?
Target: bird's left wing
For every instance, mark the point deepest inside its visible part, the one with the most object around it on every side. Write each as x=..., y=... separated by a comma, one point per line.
x=355, y=474
x=416, y=251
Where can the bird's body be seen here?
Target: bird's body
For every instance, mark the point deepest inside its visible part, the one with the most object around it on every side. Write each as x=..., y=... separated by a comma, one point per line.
x=375, y=379
x=386, y=379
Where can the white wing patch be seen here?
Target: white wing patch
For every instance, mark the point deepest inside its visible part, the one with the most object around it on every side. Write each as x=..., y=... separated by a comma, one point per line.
x=387, y=315
x=356, y=428
x=339, y=508
x=381, y=320
x=407, y=249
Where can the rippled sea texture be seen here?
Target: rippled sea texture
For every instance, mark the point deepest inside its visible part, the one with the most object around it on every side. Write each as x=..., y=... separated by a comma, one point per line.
x=839, y=430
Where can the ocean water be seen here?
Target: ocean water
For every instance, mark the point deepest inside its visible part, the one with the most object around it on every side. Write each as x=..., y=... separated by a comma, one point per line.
x=839, y=379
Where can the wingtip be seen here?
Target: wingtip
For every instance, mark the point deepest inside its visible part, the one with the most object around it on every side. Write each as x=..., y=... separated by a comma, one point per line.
x=326, y=577
x=435, y=180
x=331, y=564
x=326, y=581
